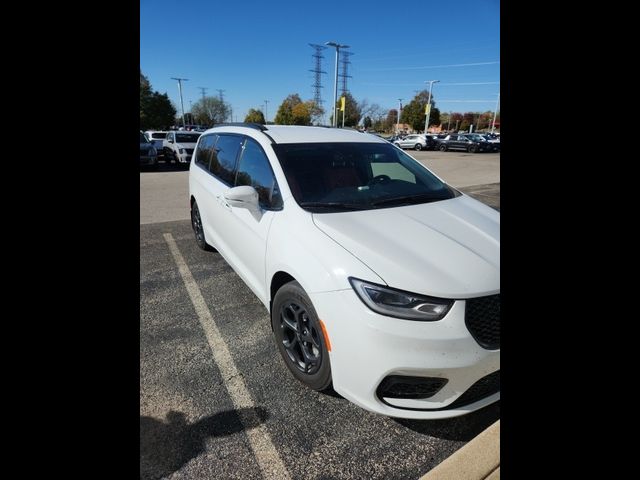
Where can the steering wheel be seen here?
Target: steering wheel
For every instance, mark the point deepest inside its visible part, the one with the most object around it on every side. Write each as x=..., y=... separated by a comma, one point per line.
x=380, y=179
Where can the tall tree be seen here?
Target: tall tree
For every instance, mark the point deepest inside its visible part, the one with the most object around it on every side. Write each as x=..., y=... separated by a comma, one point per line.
x=467, y=119
x=484, y=120
x=352, y=112
x=456, y=121
x=211, y=110
x=414, y=112
x=284, y=116
x=156, y=110
x=316, y=111
x=374, y=111
x=301, y=115
x=392, y=119
x=254, y=116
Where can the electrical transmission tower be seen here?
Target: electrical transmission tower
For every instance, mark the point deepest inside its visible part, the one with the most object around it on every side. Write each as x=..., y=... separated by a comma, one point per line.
x=317, y=85
x=345, y=69
x=220, y=94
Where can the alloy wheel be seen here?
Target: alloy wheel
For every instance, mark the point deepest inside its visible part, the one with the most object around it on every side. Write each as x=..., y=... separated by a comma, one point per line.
x=300, y=338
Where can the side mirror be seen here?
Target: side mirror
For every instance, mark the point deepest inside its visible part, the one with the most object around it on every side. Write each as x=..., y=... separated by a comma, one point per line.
x=244, y=196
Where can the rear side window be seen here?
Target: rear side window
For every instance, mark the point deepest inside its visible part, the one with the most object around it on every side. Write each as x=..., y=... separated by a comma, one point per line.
x=254, y=170
x=159, y=135
x=224, y=157
x=205, y=147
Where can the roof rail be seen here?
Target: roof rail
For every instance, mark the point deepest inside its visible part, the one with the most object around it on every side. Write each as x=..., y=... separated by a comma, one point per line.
x=257, y=126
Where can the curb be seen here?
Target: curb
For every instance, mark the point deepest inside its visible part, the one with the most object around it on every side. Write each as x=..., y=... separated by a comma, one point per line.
x=477, y=460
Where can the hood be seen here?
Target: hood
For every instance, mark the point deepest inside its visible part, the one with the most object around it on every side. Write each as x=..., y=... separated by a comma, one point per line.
x=447, y=249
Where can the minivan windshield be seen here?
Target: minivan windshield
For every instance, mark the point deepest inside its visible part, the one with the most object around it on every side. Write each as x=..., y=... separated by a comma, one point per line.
x=334, y=177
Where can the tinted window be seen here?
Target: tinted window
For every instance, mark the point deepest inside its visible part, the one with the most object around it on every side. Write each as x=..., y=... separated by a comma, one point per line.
x=143, y=139
x=254, y=170
x=326, y=177
x=159, y=135
x=223, y=161
x=205, y=147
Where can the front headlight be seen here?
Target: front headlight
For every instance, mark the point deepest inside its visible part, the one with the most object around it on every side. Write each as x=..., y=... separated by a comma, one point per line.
x=400, y=304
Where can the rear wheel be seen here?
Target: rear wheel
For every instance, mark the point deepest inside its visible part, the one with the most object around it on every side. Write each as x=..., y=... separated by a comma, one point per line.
x=443, y=148
x=299, y=337
x=418, y=146
x=473, y=149
x=196, y=224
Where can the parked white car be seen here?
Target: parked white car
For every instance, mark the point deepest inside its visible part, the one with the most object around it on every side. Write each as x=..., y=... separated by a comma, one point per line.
x=380, y=279
x=178, y=146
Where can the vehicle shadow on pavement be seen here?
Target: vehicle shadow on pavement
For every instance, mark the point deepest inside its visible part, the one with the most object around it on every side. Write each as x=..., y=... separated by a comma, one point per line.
x=462, y=428
x=165, y=446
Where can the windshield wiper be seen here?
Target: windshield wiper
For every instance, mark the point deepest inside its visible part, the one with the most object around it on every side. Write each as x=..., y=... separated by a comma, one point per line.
x=409, y=199
x=337, y=205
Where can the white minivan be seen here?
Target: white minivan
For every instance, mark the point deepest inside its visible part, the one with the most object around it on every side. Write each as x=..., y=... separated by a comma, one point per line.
x=381, y=280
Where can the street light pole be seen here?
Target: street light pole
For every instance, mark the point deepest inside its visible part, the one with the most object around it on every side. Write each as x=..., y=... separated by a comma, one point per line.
x=426, y=122
x=335, y=85
x=449, y=122
x=184, y=124
x=495, y=114
x=266, y=115
x=399, y=110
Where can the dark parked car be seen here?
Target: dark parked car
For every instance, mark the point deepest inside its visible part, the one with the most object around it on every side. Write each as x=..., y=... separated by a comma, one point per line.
x=462, y=142
x=148, y=154
x=494, y=140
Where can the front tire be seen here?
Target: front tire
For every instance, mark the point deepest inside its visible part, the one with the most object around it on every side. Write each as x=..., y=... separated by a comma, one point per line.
x=443, y=148
x=299, y=337
x=418, y=146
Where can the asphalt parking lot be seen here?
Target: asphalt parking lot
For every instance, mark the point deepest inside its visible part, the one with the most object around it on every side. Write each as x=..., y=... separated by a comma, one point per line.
x=216, y=400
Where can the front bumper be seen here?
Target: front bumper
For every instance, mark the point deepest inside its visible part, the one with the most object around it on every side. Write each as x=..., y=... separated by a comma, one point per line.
x=368, y=347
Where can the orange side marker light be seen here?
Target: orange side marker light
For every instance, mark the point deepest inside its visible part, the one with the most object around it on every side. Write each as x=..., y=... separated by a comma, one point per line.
x=325, y=335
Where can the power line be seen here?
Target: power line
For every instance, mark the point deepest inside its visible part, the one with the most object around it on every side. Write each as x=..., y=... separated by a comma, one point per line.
x=415, y=84
x=430, y=66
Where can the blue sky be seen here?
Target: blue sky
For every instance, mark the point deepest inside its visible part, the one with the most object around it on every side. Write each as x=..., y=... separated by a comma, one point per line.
x=257, y=50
